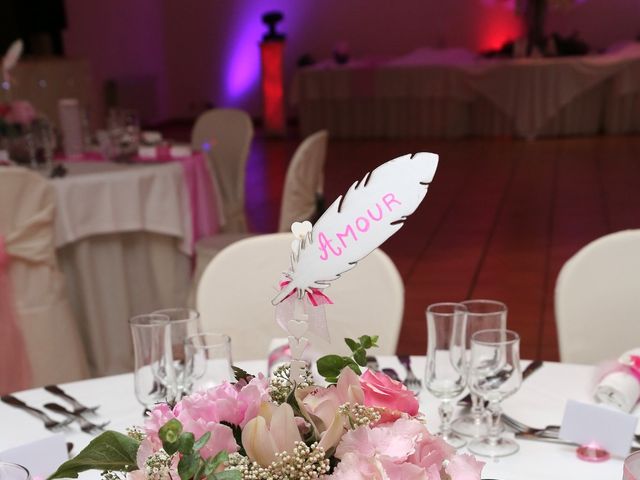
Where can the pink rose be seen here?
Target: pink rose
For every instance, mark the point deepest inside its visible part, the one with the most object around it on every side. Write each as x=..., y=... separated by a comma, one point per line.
x=21, y=112
x=382, y=391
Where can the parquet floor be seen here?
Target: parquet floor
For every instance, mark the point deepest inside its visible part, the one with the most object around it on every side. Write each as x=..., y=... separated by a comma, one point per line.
x=500, y=219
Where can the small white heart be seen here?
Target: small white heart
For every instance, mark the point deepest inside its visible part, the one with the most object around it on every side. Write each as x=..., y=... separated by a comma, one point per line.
x=301, y=229
x=297, y=328
x=296, y=368
x=298, y=346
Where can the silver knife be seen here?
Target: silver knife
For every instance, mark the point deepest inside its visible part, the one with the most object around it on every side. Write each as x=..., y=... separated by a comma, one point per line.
x=559, y=441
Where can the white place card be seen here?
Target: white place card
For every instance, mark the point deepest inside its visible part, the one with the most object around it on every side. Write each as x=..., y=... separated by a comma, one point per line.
x=610, y=429
x=41, y=457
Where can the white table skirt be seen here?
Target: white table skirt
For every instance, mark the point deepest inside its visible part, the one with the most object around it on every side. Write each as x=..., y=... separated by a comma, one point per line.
x=539, y=402
x=124, y=237
x=425, y=96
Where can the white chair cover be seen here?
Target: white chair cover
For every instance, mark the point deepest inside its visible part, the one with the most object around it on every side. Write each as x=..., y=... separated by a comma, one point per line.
x=50, y=332
x=235, y=292
x=225, y=134
x=304, y=181
x=596, y=300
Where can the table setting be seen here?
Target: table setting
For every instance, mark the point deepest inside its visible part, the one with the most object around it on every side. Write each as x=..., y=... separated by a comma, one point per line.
x=469, y=409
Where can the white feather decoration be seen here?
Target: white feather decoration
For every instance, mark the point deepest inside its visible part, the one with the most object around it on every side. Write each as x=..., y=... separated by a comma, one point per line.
x=14, y=52
x=357, y=223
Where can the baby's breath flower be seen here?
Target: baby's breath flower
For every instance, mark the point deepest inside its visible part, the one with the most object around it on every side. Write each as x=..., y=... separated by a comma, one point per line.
x=359, y=415
x=281, y=385
x=304, y=463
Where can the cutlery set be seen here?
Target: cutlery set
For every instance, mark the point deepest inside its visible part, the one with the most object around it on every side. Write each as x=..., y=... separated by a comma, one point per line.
x=75, y=414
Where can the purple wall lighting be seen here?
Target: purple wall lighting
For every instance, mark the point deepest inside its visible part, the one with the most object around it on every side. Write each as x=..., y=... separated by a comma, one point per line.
x=242, y=71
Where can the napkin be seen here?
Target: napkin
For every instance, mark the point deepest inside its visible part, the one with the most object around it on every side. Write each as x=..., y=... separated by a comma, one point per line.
x=620, y=387
x=178, y=151
x=151, y=137
x=147, y=152
x=41, y=457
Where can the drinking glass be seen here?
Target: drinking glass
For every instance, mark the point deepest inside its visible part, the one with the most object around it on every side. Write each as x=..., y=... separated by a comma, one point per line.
x=184, y=323
x=481, y=315
x=154, y=376
x=495, y=374
x=208, y=360
x=632, y=467
x=445, y=373
x=13, y=471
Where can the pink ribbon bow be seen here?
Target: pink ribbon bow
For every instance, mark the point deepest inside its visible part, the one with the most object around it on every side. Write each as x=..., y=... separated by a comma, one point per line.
x=285, y=310
x=315, y=296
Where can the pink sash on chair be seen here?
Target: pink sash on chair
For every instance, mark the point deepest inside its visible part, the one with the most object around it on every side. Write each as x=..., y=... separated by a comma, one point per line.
x=15, y=371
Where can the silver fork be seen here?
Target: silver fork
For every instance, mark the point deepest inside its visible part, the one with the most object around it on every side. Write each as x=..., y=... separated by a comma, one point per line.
x=49, y=423
x=518, y=426
x=85, y=425
x=77, y=406
x=412, y=382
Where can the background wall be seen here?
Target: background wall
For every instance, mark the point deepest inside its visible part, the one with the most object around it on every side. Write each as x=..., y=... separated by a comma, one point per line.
x=174, y=57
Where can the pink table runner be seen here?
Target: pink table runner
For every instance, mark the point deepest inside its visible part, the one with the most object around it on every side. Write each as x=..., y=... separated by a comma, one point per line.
x=205, y=219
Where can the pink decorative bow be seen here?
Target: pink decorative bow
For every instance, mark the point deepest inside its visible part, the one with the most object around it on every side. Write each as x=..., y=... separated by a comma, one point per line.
x=315, y=296
x=15, y=371
x=316, y=300
x=634, y=366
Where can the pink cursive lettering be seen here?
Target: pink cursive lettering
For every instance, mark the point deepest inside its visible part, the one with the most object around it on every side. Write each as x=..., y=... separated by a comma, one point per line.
x=347, y=231
x=326, y=247
x=390, y=198
x=362, y=224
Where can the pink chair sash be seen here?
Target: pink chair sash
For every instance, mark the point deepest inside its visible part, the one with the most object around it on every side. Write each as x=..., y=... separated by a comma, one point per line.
x=15, y=371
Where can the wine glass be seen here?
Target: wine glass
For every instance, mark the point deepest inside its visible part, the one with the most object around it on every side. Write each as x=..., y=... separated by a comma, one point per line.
x=154, y=376
x=13, y=471
x=445, y=373
x=208, y=361
x=184, y=322
x=481, y=315
x=495, y=374
x=632, y=467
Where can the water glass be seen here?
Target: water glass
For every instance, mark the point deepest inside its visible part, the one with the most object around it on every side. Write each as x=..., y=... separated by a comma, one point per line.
x=13, y=471
x=184, y=323
x=445, y=372
x=481, y=315
x=495, y=374
x=632, y=467
x=208, y=361
x=154, y=376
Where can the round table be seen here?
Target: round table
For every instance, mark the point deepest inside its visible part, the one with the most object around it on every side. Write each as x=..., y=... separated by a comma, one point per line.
x=539, y=402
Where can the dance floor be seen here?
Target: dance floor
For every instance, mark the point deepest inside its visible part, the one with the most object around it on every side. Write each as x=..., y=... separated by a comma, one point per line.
x=500, y=219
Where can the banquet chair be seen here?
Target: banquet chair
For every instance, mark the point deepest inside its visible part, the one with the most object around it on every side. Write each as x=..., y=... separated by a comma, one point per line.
x=225, y=135
x=235, y=292
x=596, y=300
x=301, y=196
x=33, y=293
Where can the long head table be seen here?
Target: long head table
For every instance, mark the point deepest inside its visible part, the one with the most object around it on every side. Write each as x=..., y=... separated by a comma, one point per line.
x=539, y=402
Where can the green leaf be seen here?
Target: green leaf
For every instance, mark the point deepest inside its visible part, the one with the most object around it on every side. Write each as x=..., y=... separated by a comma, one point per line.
x=352, y=344
x=240, y=374
x=186, y=442
x=170, y=431
x=374, y=341
x=189, y=465
x=215, y=462
x=330, y=365
x=227, y=475
x=202, y=441
x=109, y=451
x=360, y=356
x=365, y=341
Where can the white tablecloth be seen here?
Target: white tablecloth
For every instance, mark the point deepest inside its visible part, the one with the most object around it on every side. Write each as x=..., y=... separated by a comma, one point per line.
x=539, y=402
x=124, y=237
x=452, y=94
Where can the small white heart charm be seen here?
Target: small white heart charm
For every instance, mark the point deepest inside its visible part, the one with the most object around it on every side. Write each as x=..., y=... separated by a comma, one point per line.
x=301, y=229
x=298, y=346
x=297, y=328
x=295, y=246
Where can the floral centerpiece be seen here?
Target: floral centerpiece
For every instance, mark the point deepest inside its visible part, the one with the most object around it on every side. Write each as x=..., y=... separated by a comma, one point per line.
x=364, y=426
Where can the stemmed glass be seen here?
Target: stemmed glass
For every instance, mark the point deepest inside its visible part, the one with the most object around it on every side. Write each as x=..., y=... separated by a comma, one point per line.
x=495, y=374
x=13, y=471
x=632, y=467
x=184, y=323
x=481, y=315
x=208, y=361
x=445, y=372
x=154, y=376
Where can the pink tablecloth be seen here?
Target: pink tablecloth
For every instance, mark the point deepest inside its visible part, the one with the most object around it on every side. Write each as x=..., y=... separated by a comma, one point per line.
x=202, y=196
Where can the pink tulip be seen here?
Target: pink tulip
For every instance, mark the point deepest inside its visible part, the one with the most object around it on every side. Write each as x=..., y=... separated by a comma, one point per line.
x=272, y=431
